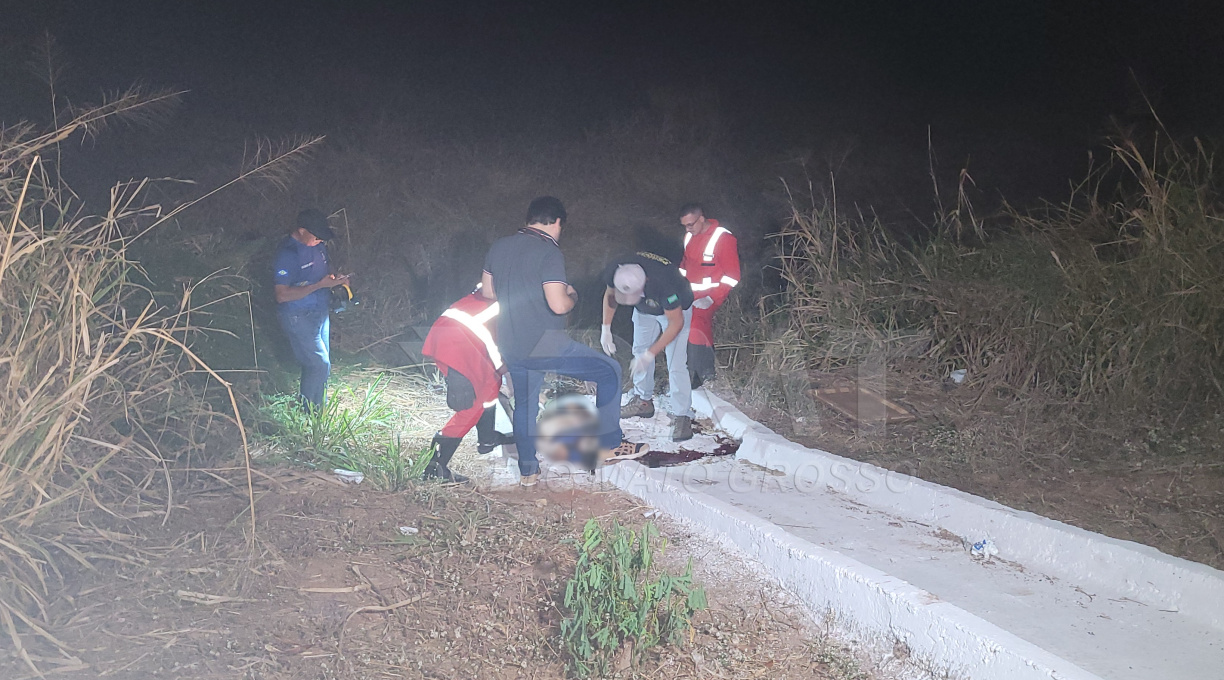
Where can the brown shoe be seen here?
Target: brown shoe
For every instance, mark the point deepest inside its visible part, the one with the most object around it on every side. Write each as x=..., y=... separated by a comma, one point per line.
x=682, y=428
x=529, y=480
x=638, y=408
x=626, y=451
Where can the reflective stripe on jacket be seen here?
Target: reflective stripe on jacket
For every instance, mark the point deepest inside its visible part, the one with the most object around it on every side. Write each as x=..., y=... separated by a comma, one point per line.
x=464, y=339
x=711, y=262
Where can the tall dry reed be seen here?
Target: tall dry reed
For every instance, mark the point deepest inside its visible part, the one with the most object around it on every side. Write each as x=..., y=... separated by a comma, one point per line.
x=93, y=368
x=1113, y=296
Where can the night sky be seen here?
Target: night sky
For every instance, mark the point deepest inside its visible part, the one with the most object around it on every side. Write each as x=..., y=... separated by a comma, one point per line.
x=1026, y=84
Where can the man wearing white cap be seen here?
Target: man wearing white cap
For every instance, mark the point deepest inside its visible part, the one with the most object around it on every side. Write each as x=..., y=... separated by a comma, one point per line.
x=661, y=299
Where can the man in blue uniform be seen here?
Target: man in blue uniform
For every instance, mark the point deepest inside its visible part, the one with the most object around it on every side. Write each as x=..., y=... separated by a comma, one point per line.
x=302, y=275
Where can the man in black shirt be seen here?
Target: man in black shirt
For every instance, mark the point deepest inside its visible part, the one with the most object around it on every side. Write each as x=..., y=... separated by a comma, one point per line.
x=661, y=299
x=525, y=273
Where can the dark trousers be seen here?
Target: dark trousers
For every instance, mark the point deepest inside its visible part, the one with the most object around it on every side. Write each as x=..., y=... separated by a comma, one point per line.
x=469, y=411
x=308, y=332
x=701, y=364
x=576, y=361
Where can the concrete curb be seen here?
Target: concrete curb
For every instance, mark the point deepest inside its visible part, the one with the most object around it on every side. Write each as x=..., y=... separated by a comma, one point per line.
x=878, y=608
x=1125, y=568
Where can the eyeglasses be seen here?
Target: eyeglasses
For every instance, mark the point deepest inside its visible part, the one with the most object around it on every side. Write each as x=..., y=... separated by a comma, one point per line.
x=690, y=225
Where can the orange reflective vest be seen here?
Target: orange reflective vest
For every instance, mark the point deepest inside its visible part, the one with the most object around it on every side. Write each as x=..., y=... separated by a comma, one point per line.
x=711, y=263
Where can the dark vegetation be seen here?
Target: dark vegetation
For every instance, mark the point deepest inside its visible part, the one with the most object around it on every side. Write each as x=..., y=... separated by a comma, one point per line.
x=1090, y=333
x=1112, y=297
x=1097, y=317
x=103, y=394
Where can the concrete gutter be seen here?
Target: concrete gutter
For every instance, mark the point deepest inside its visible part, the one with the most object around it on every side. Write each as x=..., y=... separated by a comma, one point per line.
x=1124, y=568
x=876, y=608
x=880, y=608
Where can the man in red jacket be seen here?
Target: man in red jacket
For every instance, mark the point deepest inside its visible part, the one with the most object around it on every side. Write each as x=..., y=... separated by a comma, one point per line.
x=461, y=344
x=711, y=264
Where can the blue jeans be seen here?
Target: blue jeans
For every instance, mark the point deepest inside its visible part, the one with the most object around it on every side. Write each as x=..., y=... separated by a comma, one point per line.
x=576, y=361
x=308, y=331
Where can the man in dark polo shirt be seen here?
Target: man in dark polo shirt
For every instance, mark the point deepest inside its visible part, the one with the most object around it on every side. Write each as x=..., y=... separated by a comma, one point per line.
x=661, y=299
x=302, y=277
x=525, y=273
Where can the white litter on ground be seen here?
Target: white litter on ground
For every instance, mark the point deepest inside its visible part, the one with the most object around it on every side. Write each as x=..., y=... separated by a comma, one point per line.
x=348, y=476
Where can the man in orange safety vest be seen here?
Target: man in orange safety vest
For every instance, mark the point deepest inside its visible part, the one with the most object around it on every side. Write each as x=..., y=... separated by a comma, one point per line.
x=461, y=344
x=711, y=264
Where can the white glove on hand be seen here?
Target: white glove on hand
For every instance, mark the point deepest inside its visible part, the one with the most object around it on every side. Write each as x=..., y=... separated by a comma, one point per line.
x=605, y=340
x=641, y=363
x=703, y=303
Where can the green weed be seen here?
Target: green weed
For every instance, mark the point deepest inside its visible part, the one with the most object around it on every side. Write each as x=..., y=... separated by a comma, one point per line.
x=335, y=428
x=392, y=469
x=619, y=606
x=360, y=437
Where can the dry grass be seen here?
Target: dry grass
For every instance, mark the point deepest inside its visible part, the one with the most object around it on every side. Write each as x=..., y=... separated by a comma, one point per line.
x=102, y=395
x=1141, y=263
x=335, y=591
x=1112, y=297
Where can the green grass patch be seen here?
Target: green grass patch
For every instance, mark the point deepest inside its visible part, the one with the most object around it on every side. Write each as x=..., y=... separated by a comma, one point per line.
x=621, y=605
x=353, y=431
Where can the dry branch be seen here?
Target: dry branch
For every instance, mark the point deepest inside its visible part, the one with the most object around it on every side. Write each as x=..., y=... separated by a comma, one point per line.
x=93, y=367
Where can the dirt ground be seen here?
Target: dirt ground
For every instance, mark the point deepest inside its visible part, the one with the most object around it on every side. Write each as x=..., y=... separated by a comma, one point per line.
x=1120, y=476
x=332, y=588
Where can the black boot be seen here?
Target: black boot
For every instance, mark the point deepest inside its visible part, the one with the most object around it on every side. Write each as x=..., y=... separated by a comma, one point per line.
x=701, y=364
x=439, y=467
x=487, y=437
x=695, y=380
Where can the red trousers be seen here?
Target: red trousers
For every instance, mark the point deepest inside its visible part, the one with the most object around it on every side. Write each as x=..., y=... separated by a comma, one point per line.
x=463, y=421
x=701, y=328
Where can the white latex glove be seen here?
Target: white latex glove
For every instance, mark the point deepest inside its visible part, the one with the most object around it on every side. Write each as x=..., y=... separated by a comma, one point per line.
x=641, y=363
x=605, y=339
x=703, y=303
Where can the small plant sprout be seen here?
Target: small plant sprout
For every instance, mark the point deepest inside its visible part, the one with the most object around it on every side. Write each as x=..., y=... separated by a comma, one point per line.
x=620, y=604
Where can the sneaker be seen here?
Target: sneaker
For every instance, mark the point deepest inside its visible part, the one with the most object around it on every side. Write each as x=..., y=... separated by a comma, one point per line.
x=625, y=451
x=638, y=408
x=529, y=480
x=682, y=428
